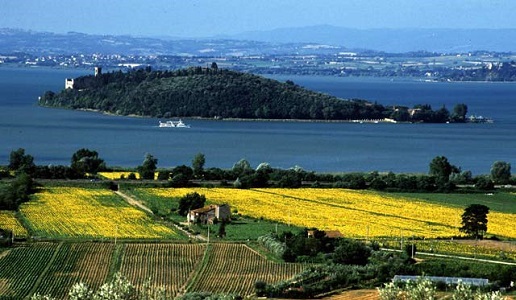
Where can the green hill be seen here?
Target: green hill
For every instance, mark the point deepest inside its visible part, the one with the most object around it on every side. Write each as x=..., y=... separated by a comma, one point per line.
x=214, y=93
x=204, y=92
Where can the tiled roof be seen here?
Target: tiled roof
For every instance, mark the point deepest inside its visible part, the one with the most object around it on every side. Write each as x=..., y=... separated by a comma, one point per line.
x=204, y=209
x=333, y=234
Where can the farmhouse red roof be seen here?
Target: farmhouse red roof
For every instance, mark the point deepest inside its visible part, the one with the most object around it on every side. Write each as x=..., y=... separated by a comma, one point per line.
x=204, y=209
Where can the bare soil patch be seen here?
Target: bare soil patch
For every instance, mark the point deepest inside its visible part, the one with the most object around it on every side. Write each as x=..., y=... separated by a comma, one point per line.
x=370, y=294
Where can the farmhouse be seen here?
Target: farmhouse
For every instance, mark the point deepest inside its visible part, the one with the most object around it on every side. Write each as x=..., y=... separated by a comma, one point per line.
x=208, y=214
x=332, y=234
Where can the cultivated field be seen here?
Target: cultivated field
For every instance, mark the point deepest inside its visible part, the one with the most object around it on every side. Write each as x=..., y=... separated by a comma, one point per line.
x=359, y=214
x=52, y=268
x=73, y=263
x=495, y=250
x=169, y=266
x=9, y=221
x=21, y=267
x=85, y=214
x=117, y=175
x=234, y=268
x=70, y=212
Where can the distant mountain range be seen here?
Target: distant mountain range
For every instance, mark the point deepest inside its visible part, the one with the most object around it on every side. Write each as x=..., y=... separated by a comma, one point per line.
x=303, y=40
x=38, y=43
x=393, y=40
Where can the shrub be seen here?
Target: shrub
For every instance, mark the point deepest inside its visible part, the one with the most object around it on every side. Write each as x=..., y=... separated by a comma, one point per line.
x=484, y=184
x=351, y=252
x=270, y=242
x=190, y=201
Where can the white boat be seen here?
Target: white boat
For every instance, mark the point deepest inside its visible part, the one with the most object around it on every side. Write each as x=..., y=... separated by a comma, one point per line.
x=181, y=124
x=166, y=124
x=170, y=124
x=478, y=119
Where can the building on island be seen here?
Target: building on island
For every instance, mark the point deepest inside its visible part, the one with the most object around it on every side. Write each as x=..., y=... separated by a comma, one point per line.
x=208, y=214
x=98, y=71
x=69, y=83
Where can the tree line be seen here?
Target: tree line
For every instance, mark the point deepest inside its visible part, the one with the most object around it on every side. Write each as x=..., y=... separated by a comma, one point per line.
x=86, y=163
x=221, y=93
x=23, y=169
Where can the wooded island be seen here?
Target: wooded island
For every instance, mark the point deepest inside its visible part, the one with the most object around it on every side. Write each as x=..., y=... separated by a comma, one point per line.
x=220, y=94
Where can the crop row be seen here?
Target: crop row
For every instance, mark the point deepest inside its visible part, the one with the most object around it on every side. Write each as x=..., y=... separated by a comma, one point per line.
x=168, y=266
x=21, y=267
x=80, y=262
x=354, y=213
x=93, y=213
x=235, y=268
x=52, y=268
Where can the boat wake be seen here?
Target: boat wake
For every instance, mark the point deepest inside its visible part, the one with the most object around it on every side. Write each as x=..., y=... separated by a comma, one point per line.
x=173, y=124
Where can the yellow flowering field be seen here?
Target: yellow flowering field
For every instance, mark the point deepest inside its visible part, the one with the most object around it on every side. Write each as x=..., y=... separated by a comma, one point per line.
x=117, y=175
x=80, y=212
x=8, y=221
x=359, y=214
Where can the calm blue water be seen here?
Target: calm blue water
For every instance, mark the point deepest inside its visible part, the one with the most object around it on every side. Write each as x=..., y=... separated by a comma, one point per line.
x=53, y=135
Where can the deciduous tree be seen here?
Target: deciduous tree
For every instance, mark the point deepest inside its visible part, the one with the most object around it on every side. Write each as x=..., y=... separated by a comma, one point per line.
x=87, y=161
x=441, y=168
x=21, y=162
x=459, y=113
x=148, y=167
x=242, y=167
x=190, y=201
x=474, y=220
x=351, y=252
x=501, y=172
x=198, y=165
x=14, y=194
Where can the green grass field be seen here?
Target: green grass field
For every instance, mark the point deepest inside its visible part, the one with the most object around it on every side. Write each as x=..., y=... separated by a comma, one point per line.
x=246, y=229
x=161, y=206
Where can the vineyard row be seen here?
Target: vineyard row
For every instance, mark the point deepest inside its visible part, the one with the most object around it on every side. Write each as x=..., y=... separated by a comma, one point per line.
x=52, y=268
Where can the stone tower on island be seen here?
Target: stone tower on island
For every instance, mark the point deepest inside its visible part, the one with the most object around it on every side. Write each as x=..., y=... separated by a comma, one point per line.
x=69, y=82
x=98, y=71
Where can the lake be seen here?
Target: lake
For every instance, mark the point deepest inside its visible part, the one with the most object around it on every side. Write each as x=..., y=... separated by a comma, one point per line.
x=53, y=135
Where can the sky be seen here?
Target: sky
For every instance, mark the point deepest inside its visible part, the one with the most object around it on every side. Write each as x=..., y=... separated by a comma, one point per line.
x=207, y=18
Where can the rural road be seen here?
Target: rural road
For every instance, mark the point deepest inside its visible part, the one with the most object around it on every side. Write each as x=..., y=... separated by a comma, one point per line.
x=458, y=257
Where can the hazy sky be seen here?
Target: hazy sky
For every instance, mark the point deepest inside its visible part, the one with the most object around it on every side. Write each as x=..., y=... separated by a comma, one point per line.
x=201, y=18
